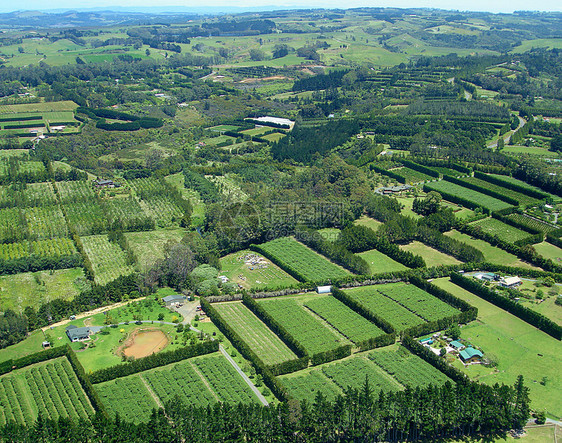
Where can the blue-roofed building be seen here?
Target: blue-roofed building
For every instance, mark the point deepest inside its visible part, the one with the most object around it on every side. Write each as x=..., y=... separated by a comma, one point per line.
x=457, y=345
x=471, y=355
x=426, y=341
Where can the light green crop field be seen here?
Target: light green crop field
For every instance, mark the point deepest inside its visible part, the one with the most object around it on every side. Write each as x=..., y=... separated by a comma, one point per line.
x=38, y=107
x=502, y=230
x=107, y=258
x=369, y=222
x=492, y=254
x=18, y=291
x=519, y=348
x=268, y=346
x=548, y=250
x=378, y=262
x=240, y=269
x=149, y=246
x=431, y=256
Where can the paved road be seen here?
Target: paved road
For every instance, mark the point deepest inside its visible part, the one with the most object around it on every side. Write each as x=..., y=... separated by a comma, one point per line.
x=508, y=134
x=245, y=377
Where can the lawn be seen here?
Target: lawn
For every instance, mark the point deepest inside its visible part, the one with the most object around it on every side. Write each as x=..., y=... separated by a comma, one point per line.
x=519, y=348
x=30, y=345
x=268, y=346
x=18, y=291
x=548, y=250
x=431, y=256
x=378, y=262
x=243, y=268
x=492, y=254
x=504, y=231
x=408, y=203
x=149, y=246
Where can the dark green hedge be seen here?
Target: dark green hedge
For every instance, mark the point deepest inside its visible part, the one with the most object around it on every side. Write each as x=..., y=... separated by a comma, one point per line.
x=331, y=355
x=420, y=168
x=513, y=186
x=481, y=189
x=390, y=174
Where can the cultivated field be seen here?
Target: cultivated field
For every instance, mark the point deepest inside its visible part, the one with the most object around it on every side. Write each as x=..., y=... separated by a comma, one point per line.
x=200, y=381
x=371, y=298
x=302, y=260
x=504, y=231
x=50, y=389
x=107, y=258
x=267, y=346
x=378, y=262
x=475, y=197
x=531, y=223
x=521, y=198
x=149, y=246
x=305, y=327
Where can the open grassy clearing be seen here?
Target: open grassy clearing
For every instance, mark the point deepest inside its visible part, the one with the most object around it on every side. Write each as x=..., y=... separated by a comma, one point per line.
x=350, y=324
x=407, y=210
x=492, y=254
x=548, y=250
x=530, y=150
x=107, y=258
x=519, y=348
x=149, y=246
x=268, y=346
x=303, y=260
x=371, y=298
x=546, y=307
x=369, y=222
x=378, y=262
x=50, y=388
x=18, y=291
x=475, y=197
x=312, y=332
x=251, y=270
x=431, y=256
x=503, y=231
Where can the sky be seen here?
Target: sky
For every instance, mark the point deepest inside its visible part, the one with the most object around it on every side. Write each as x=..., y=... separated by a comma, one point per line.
x=461, y=5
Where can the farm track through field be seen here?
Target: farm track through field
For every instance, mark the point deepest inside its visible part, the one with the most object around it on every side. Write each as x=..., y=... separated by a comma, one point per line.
x=205, y=381
x=151, y=392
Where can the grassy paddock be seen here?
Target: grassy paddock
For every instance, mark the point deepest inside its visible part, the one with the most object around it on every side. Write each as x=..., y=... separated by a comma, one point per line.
x=149, y=246
x=431, y=256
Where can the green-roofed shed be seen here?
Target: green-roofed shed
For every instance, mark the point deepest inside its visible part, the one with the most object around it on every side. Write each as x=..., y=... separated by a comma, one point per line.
x=471, y=355
x=457, y=345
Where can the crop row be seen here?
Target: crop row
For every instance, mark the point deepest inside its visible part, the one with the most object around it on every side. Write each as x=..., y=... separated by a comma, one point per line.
x=302, y=260
x=268, y=347
x=107, y=258
x=531, y=223
x=23, y=195
x=501, y=230
x=399, y=317
x=307, y=386
x=31, y=223
x=417, y=300
x=521, y=198
x=58, y=247
x=353, y=372
x=407, y=368
x=342, y=318
x=477, y=199
x=303, y=326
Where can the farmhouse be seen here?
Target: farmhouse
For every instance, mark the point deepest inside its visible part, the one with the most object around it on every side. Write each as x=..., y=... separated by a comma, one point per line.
x=471, y=355
x=104, y=183
x=75, y=333
x=172, y=300
x=510, y=282
x=392, y=190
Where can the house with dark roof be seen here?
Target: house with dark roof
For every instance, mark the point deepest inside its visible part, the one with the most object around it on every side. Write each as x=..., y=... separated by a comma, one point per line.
x=75, y=333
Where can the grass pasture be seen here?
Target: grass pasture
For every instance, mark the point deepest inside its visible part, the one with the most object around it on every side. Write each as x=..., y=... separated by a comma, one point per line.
x=518, y=347
x=50, y=388
x=149, y=246
x=378, y=262
x=369, y=223
x=107, y=258
x=548, y=250
x=310, y=330
x=432, y=257
x=268, y=346
x=475, y=197
x=303, y=260
x=503, y=231
x=18, y=291
x=248, y=275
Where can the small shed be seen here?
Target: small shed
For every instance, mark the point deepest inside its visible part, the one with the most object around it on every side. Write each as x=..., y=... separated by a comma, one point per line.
x=457, y=345
x=46, y=345
x=75, y=333
x=172, y=300
x=471, y=355
x=323, y=289
x=426, y=341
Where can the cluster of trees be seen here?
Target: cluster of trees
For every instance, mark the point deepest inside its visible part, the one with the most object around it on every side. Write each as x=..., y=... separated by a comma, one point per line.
x=207, y=189
x=13, y=328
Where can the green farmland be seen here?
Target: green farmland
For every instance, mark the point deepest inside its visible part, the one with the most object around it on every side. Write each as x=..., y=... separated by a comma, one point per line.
x=475, y=197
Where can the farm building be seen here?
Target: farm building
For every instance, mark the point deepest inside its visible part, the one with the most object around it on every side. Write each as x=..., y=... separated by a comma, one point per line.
x=471, y=355
x=510, y=282
x=487, y=276
x=426, y=341
x=172, y=300
x=75, y=333
x=323, y=289
x=392, y=190
x=104, y=183
x=457, y=345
